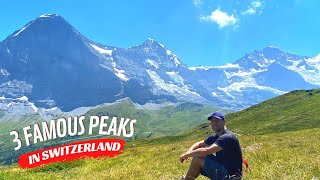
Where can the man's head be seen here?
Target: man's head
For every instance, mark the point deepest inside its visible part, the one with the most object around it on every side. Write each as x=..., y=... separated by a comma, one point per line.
x=217, y=121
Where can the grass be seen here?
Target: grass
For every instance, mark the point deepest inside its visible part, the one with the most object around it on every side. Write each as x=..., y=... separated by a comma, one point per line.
x=160, y=122
x=288, y=155
x=168, y=120
x=290, y=112
x=279, y=138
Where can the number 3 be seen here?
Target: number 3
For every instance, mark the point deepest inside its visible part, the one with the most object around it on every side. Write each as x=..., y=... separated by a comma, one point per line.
x=16, y=139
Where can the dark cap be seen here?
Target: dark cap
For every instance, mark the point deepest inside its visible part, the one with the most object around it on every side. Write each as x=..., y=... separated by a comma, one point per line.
x=217, y=115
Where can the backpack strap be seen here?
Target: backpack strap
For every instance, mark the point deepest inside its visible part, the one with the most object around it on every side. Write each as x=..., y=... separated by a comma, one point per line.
x=245, y=162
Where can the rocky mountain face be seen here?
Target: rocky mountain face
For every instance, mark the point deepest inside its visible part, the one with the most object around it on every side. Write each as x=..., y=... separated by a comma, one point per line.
x=48, y=63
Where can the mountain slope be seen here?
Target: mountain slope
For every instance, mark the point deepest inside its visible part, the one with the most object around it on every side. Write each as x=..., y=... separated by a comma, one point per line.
x=293, y=111
x=153, y=120
x=53, y=58
x=271, y=154
x=54, y=65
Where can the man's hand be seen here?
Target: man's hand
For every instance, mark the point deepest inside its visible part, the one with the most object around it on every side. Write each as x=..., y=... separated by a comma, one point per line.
x=195, y=146
x=200, y=152
x=183, y=158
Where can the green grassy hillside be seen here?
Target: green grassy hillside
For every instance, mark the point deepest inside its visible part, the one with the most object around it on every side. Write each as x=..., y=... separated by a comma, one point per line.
x=167, y=120
x=273, y=156
x=296, y=110
x=279, y=137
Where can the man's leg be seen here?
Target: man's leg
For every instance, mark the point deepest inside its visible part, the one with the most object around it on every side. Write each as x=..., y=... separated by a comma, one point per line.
x=195, y=167
x=213, y=169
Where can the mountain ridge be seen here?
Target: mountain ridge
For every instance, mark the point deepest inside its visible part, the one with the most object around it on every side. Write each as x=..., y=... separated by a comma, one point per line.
x=49, y=53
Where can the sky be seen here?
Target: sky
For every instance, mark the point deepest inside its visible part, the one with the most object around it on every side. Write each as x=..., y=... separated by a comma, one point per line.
x=199, y=32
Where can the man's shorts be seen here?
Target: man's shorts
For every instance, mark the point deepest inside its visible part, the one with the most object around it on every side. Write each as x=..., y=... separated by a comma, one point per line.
x=213, y=169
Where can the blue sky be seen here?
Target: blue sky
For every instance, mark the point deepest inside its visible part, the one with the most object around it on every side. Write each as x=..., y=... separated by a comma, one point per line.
x=200, y=32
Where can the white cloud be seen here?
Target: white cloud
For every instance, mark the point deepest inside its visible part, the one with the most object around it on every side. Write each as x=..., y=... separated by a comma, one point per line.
x=220, y=17
x=256, y=4
x=249, y=11
x=197, y=3
x=255, y=7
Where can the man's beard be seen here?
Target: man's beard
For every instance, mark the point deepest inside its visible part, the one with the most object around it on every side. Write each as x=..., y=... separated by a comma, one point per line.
x=217, y=130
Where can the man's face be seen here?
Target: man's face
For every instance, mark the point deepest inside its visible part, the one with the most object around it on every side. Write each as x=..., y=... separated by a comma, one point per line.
x=217, y=124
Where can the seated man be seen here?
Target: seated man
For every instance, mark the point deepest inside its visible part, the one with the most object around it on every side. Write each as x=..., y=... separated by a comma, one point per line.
x=226, y=164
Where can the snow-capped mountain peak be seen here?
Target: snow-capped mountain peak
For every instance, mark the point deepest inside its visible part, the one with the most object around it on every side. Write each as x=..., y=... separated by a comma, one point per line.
x=48, y=22
x=151, y=42
x=49, y=15
x=44, y=61
x=272, y=48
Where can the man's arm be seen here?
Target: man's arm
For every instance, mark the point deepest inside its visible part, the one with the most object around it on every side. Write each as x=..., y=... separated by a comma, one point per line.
x=201, y=152
x=197, y=145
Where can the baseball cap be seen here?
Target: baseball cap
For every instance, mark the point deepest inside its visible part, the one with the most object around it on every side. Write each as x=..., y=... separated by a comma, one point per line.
x=217, y=115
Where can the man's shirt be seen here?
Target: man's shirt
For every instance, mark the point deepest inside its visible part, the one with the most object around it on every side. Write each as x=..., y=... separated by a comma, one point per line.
x=230, y=155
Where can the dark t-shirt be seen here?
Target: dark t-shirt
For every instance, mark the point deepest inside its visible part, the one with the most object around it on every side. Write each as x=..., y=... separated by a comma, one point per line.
x=230, y=155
